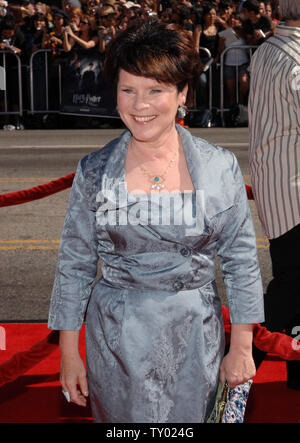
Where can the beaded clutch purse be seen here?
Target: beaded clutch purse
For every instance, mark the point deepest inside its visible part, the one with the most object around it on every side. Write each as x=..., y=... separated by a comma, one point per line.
x=230, y=404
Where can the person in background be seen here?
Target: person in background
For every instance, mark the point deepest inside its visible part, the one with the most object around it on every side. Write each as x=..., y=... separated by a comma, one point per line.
x=28, y=7
x=257, y=27
x=38, y=33
x=236, y=62
x=225, y=10
x=271, y=15
x=262, y=8
x=269, y=11
x=107, y=28
x=84, y=39
x=276, y=11
x=274, y=122
x=207, y=36
x=54, y=39
x=75, y=15
x=35, y=42
x=68, y=5
x=3, y=8
x=13, y=41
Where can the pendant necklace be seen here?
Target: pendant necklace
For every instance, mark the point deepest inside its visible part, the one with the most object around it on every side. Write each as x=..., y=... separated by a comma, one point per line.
x=156, y=181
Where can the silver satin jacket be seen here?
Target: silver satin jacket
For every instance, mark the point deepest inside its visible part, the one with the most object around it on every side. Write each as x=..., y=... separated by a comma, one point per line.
x=154, y=328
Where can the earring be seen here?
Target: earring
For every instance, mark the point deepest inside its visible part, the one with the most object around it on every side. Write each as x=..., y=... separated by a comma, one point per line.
x=181, y=112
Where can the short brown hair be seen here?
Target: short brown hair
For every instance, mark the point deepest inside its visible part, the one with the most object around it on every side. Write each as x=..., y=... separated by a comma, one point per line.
x=153, y=49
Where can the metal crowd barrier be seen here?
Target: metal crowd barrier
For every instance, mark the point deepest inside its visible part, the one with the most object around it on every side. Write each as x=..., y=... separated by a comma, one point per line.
x=19, y=112
x=208, y=53
x=47, y=109
x=249, y=48
x=46, y=90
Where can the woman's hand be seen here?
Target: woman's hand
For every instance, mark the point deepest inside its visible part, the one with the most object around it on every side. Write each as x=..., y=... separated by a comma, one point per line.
x=72, y=370
x=69, y=31
x=237, y=367
x=73, y=379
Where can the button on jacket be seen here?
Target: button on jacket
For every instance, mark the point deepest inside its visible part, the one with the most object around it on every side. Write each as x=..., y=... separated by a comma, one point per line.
x=154, y=327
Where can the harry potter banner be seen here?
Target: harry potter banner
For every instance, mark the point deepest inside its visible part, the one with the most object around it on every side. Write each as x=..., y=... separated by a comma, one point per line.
x=84, y=89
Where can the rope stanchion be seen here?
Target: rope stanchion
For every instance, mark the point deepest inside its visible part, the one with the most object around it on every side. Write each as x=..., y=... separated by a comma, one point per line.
x=62, y=183
x=41, y=191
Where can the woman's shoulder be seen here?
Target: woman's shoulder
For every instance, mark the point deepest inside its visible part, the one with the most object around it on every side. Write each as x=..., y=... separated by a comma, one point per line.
x=97, y=159
x=204, y=147
x=213, y=151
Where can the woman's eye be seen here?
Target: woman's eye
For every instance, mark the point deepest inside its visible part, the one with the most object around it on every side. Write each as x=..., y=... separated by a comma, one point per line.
x=155, y=91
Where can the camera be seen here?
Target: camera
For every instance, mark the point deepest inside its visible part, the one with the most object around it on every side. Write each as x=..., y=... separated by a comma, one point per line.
x=8, y=46
x=151, y=13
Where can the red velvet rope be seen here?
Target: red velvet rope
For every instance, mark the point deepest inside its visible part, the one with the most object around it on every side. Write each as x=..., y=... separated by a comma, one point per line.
x=41, y=191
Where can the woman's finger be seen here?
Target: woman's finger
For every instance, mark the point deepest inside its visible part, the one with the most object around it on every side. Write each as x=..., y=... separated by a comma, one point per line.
x=83, y=385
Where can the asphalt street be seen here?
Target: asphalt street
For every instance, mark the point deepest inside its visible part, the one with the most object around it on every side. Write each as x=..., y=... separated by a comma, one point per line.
x=30, y=232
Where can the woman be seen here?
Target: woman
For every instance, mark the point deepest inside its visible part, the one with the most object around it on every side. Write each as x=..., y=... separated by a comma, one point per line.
x=39, y=29
x=36, y=41
x=154, y=329
x=107, y=28
x=206, y=35
x=54, y=40
x=236, y=61
x=85, y=38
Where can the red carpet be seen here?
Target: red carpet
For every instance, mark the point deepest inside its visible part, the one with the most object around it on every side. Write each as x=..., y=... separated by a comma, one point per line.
x=30, y=389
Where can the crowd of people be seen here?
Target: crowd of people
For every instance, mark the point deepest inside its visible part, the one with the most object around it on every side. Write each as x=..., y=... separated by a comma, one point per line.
x=68, y=26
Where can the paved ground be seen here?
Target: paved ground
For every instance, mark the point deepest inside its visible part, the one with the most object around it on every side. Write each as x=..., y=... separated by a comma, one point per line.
x=29, y=233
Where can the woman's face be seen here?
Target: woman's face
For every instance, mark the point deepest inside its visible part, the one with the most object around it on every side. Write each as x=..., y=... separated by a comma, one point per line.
x=84, y=24
x=8, y=33
x=108, y=19
x=262, y=8
x=74, y=18
x=210, y=17
x=235, y=22
x=58, y=21
x=269, y=10
x=40, y=24
x=147, y=107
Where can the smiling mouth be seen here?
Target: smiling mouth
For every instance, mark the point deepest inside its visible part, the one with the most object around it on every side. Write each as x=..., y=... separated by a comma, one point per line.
x=145, y=118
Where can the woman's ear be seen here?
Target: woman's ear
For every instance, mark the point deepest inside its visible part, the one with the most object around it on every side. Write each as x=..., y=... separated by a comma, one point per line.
x=183, y=95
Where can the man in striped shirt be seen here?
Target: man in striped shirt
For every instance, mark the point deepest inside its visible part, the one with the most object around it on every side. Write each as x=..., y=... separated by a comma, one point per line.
x=274, y=124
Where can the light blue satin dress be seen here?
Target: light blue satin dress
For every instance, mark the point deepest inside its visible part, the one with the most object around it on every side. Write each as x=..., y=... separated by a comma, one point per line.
x=154, y=327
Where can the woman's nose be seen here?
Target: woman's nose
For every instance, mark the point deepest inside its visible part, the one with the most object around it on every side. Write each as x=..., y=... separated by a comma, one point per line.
x=140, y=102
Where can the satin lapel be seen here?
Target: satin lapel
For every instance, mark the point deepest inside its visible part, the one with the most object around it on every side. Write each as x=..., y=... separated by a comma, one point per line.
x=113, y=185
x=211, y=172
x=192, y=156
